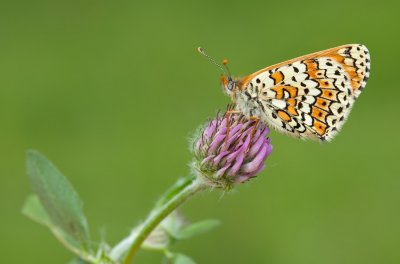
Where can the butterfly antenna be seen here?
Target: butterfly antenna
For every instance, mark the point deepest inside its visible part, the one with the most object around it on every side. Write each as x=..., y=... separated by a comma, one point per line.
x=225, y=62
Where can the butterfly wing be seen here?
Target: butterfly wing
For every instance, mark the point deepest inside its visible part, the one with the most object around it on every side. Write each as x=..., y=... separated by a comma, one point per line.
x=311, y=96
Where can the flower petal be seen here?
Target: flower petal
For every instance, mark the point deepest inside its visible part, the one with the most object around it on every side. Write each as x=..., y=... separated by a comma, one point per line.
x=255, y=163
x=221, y=171
x=210, y=129
x=216, y=144
x=219, y=157
x=238, y=164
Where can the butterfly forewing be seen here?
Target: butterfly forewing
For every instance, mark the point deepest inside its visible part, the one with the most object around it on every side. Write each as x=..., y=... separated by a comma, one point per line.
x=310, y=96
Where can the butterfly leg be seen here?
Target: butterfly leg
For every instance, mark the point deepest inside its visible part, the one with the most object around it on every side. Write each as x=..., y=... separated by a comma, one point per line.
x=229, y=112
x=257, y=121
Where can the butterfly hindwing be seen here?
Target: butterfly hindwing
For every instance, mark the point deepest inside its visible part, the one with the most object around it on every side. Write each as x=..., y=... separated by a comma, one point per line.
x=311, y=97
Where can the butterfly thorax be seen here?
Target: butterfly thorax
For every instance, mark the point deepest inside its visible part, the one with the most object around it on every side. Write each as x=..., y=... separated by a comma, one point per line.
x=246, y=97
x=247, y=100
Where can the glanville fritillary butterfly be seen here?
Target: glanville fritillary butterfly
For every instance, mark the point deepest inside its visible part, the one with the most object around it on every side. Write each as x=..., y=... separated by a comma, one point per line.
x=308, y=97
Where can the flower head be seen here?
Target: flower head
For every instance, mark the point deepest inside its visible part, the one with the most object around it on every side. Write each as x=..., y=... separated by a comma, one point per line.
x=230, y=150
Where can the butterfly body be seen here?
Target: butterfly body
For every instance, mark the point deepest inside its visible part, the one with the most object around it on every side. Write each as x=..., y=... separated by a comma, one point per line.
x=307, y=97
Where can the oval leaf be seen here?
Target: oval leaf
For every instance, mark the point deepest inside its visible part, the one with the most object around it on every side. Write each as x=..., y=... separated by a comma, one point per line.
x=59, y=199
x=196, y=229
x=34, y=210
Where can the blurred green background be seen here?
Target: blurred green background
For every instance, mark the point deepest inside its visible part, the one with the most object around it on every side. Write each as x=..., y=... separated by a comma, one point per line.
x=110, y=91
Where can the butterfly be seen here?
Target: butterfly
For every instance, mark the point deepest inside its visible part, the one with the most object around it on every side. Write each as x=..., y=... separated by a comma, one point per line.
x=309, y=97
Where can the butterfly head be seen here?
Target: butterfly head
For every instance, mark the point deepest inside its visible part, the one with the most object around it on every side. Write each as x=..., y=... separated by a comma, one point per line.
x=227, y=81
x=228, y=84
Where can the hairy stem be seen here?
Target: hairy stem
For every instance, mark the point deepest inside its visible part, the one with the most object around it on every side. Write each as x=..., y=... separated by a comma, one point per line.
x=160, y=213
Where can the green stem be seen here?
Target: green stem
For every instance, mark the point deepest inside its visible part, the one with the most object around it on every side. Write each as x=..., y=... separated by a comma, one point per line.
x=159, y=214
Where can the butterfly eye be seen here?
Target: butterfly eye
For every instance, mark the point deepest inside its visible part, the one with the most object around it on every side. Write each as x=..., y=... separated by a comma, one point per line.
x=231, y=84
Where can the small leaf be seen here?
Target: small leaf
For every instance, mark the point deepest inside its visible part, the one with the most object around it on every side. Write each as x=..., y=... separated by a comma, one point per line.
x=196, y=229
x=182, y=259
x=34, y=210
x=59, y=199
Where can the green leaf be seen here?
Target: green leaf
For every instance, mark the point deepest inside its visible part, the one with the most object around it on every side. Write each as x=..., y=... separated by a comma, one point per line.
x=34, y=210
x=196, y=229
x=59, y=199
x=182, y=259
